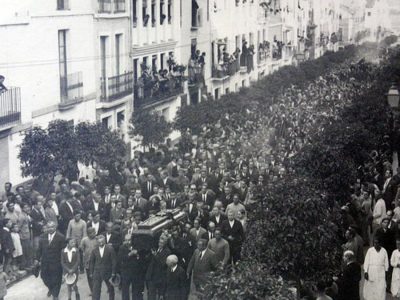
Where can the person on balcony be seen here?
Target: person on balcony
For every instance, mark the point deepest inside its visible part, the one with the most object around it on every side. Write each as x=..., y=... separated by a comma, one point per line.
x=2, y=86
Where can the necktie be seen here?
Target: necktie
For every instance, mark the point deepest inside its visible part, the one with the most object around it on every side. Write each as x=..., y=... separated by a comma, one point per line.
x=149, y=186
x=201, y=254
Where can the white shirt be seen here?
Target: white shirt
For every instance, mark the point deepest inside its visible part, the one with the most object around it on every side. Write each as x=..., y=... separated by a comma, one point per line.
x=379, y=211
x=69, y=253
x=217, y=218
x=51, y=236
x=101, y=250
x=96, y=226
x=202, y=253
x=54, y=206
x=70, y=206
x=174, y=268
x=108, y=236
x=96, y=205
x=231, y=223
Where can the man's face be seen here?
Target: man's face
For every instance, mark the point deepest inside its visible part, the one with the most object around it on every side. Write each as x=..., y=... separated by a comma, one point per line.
x=211, y=227
x=201, y=245
x=230, y=216
x=7, y=187
x=217, y=234
x=11, y=207
x=108, y=228
x=117, y=189
x=215, y=211
x=385, y=224
x=196, y=224
x=101, y=241
x=51, y=229
x=77, y=217
x=236, y=199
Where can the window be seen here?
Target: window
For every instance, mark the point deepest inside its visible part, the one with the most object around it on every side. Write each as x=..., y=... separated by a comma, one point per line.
x=103, y=55
x=227, y=91
x=106, y=122
x=62, y=4
x=162, y=59
x=216, y=94
x=118, y=39
x=62, y=54
x=243, y=83
x=195, y=18
x=134, y=13
x=162, y=14
x=169, y=12
x=135, y=70
x=154, y=63
x=153, y=13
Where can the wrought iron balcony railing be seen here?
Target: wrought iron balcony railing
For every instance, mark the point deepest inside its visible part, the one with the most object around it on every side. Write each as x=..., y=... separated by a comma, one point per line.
x=116, y=87
x=10, y=107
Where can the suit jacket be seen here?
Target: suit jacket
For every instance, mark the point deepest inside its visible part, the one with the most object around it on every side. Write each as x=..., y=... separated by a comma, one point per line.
x=73, y=265
x=38, y=219
x=157, y=270
x=202, y=267
x=134, y=265
x=114, y=241
x=7, y=245
x=104, y=266
x=101, y=209
x=349, y=282
x=177, y=203
x=222, y=218
x=169, y=182
x=145, y=191
x=49, y=254
x=102, y=226
x=183, y=247
x=66, y=214
x=209, y=199
x=236, y=232
x=198, y=236
x=175, y=285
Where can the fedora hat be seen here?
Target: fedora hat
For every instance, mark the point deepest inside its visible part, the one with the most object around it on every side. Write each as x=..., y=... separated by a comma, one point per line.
x=70, y=278
x=115, y=280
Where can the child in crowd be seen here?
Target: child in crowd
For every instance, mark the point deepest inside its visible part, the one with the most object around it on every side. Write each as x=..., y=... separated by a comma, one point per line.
x=17, y=253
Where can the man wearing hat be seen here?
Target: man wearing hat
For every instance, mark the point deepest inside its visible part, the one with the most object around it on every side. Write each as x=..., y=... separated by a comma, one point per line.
x=51, y=244
x=175, y=287
x=102, y=267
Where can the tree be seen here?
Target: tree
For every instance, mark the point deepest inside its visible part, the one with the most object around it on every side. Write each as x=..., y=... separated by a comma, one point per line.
x=97, y=142
x=151, y=126
x=45, y=152
x=249, y=279
x=57, y=149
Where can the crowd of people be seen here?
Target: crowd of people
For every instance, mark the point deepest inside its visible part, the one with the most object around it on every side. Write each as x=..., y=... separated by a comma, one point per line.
x=87, y=223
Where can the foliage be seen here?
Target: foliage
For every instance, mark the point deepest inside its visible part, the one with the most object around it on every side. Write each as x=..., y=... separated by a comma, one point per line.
x=247, y=281
x=294, y=231
x=209, y=112
x=151, y=126
x=389, y=40
x=97, y=142
x=44, y=152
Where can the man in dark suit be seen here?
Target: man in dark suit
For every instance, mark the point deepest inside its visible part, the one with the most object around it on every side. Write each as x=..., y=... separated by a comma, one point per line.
x=140, y=203
x=119, y=196
x=157, y=271
x=349, y=282
x=37, y=220
x=217, y=217
x=148, y=186
x=49, y=256
x=232, y=231
x=132, y=265
x=210, y=234
x=112, y=238
x=102, y=267
x=174, y=201
x=201, y=264
x=207, y=196
x=98, y=224
x=166, y=181
x=96, y=205
x=66, y=212
x=175, y=288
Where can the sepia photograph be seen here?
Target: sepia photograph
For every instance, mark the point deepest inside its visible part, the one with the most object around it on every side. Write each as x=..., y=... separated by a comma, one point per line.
x=199, y=149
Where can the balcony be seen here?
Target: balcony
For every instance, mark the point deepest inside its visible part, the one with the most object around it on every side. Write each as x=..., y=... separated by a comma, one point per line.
x=222, y=71
x=71, y=88
x=116, y=87
x=196, y=74
x=150, y=93
x=104, y=6
x=10, y=108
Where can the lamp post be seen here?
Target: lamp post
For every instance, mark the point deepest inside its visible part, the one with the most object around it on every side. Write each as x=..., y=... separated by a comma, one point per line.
x=393, y=99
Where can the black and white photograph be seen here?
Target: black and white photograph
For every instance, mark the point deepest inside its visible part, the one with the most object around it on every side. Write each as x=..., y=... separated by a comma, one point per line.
x=199, y=149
